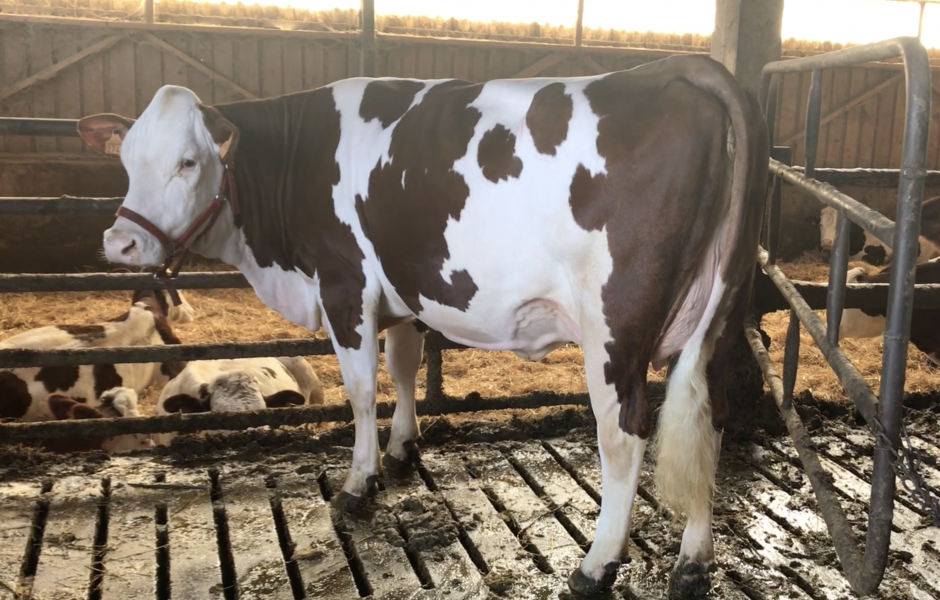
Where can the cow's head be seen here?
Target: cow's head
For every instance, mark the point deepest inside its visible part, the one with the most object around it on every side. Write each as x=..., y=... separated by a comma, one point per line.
x=827, y=227
x=116, y=402
x=172, y=155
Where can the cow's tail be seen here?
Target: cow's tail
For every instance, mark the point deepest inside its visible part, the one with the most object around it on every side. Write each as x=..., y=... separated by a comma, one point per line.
x=686, y=442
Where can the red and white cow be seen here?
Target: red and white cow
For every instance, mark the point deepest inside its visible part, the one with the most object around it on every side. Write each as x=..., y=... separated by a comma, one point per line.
x=865, y=246
x=618, y=211
x=239, y=384
x=23, y=391
x=869, y=323
x=116, y=402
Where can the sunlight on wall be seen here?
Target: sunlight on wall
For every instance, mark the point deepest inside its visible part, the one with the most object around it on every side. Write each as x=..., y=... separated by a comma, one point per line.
x=857, y=21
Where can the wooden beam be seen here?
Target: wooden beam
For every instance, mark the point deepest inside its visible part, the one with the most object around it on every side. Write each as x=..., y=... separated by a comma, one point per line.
x=579, y=27
x=852, y=103
x=53, y=70
x=148, y=11
x=593, y=64
x=367, y=51
x=189, y=60
x=541, y=64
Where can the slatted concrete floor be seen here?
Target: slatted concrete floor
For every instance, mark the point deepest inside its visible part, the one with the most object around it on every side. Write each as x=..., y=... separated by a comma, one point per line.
x=484, y=520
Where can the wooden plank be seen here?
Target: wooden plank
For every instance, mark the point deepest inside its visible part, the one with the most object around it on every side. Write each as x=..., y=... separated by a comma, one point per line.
x=318, y=551
x=462, y=60
x=293, y=67
x=15, y=67
x=68, y=89
x=897, y=131
x=534, y=519
x=385, y=564
x=130, y=564
x=443, y=62
x=174, y=69
x=825, y=106
x=247, y=62
x=223, y=63
x=149, y=69
x=539, y=66
x=336, y=63
x=789, y=107
x=853, y=120
x=868, y=117
x=799, y=147
x=835, y=148
x=478, y=69
x=259, y=562
x=426, y=522
x=884, y=126
x=199, y=52
x=408, y=54
x=507, y=562
x=120, y=82
x=17, y=503
x=314, y=76
x=182, y=58
x=194, y=555
x=425, y=61
x=42, y=95
x=69, y=539
x=272, y=80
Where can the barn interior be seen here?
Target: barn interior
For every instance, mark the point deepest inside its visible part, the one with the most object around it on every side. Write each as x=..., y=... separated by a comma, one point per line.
x=505, y=498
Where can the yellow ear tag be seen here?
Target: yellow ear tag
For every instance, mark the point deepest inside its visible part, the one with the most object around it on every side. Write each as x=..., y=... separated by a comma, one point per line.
x=113, y=145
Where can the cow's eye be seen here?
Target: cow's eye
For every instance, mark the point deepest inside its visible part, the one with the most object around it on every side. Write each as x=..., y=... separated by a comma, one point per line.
x=188, y=163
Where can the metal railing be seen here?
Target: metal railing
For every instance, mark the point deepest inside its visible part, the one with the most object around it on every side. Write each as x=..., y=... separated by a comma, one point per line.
x=864, y=571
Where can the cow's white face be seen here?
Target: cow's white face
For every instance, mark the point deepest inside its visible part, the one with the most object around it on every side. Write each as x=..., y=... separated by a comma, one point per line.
x=173, y=167
x=827, y=227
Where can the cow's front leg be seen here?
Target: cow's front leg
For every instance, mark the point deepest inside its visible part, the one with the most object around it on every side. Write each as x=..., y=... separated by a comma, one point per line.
x=404, y=345
x=358, y=363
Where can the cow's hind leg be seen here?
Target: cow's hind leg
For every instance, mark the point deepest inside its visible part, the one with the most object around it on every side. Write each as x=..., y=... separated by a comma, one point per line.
x=687, y=445
x=621, y=453
x=359, y=366
x=404, y=345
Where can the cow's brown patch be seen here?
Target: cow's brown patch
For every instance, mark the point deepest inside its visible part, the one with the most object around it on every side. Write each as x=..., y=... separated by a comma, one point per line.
x=663, y=141
x=387, y=101
x=58, y=378
x=14, y=396
x=412, y=197
x=496, y=155
x=106, y=377
x=85, y=333
x=285, y=170
x=548, y=117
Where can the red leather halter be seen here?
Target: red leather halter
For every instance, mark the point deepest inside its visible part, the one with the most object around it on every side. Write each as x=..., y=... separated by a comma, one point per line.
x=178, y=248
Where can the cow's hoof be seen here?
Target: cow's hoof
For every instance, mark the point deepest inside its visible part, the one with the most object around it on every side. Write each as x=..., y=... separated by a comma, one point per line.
x=396, y=467
x=690, y=580
x=583, y=586
x=351, y=503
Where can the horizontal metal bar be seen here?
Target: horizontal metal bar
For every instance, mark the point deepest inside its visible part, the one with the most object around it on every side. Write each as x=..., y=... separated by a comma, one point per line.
x=99, y=282
x=875, y=222
x=62, y=204
x=189, y=423
x=853, y=384
x=767, y=298
x=38, y=127
x=846, y=57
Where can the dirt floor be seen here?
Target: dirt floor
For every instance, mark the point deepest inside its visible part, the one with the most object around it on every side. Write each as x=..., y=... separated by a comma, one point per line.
x=238, y=315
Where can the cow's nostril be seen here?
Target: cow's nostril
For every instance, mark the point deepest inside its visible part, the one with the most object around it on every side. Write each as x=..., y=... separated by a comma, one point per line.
x=129, y=247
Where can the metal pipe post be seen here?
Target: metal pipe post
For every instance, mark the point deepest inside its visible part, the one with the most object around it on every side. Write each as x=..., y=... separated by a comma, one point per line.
x=813, y=109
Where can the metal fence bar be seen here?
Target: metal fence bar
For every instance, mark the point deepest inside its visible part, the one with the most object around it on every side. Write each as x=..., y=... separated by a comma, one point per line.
x=62, y=204
x=274, y=417
x=113, y=282
x=38, y=127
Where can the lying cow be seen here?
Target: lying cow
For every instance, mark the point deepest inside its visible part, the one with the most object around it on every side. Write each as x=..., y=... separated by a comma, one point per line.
x=23, y=391
x=866, y=247
x=869, y=323
x=619, y=211
x=116, y=402
x=241, y=384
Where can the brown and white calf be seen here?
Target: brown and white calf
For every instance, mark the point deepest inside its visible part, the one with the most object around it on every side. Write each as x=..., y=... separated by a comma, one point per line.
x=869, y=323
x=23, y=391
x=618, y=211
x=866, y=247
x=116, y=402
x=241, y=384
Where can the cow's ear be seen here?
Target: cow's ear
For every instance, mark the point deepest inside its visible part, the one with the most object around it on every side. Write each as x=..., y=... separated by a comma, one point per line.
x=105, y=132
x=284, y=399
x=184, y=403
x=223, y=132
